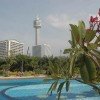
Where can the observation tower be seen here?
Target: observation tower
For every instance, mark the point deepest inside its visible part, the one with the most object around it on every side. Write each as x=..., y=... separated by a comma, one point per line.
x=39, y=50
x=37, y=26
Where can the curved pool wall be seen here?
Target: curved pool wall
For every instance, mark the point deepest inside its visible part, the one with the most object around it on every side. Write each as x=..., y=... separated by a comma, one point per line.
x=38, y=92
x=9, y=83
x=36, y=89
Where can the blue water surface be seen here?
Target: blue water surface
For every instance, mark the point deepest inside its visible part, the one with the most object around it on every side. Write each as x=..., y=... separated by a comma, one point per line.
x=36, y=89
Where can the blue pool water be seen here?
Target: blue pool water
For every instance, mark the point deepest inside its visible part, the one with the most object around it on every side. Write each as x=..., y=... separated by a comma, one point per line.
x=11, y=83
x=36, y=89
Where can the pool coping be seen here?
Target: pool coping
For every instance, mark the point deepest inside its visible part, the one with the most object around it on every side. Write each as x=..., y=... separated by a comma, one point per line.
x=22, y=77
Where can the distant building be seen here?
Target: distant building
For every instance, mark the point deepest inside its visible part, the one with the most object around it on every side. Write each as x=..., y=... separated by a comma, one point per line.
x=41, y=50
x=10, y=47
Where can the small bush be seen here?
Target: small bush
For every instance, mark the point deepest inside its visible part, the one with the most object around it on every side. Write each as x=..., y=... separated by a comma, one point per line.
x=38, y=71
x=6, y=74
x=29, y=73
x=13, y=73
x=1, y=72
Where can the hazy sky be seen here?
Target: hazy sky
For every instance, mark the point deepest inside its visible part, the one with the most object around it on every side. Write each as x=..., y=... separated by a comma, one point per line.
x=16, y=20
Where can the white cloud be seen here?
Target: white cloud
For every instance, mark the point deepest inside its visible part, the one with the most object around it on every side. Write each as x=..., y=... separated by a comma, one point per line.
x=60, y=21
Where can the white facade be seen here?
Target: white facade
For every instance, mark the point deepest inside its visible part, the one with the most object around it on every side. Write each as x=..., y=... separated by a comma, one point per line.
x=41, y=50
x=10, y=47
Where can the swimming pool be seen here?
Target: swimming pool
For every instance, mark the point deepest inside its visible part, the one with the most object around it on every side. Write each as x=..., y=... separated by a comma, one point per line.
x=36, y=89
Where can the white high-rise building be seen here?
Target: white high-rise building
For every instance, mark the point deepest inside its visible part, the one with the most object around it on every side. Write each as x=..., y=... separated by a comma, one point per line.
x=10, y=47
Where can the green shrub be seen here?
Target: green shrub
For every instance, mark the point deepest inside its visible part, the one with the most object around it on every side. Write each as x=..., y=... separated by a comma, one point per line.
x=13, y=73
x=6, y=74
x=28, y=73
x=1, y=73
x=38, y=71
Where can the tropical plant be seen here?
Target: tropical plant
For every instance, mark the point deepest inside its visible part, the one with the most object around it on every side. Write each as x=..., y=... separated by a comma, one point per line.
x=23, y=63
x=84, y=54
x=6, y=64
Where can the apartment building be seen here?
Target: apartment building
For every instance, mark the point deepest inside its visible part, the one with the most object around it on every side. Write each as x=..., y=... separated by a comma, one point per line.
x=10, y=47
